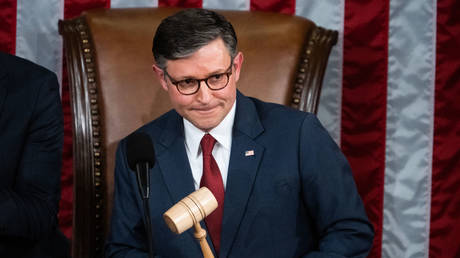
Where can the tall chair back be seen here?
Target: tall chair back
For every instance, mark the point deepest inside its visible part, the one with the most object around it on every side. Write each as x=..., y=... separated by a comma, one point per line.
x=113, y=89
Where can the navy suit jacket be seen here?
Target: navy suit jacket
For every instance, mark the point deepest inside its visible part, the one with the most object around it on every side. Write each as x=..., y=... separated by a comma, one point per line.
x=31, y=137
x=295, y=197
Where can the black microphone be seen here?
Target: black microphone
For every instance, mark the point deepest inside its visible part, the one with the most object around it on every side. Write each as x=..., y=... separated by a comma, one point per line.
x=141, y=158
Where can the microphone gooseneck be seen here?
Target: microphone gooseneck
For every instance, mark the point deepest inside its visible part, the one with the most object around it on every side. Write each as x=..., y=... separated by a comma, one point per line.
x=141, y=158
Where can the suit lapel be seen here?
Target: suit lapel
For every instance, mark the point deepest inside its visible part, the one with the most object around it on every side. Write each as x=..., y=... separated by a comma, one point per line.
x=246, y=155
x=173, y=160
x=174, y=164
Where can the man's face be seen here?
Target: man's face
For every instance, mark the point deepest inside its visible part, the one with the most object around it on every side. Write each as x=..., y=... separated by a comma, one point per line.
x=206, y=108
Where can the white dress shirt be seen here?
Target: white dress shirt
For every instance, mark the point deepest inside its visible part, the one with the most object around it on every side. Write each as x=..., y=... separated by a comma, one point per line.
x=221, y=152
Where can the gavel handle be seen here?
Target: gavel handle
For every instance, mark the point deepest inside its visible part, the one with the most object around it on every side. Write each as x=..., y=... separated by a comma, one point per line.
x=200, y=235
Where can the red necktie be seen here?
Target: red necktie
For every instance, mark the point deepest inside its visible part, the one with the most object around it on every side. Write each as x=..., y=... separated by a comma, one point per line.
x=212, y=179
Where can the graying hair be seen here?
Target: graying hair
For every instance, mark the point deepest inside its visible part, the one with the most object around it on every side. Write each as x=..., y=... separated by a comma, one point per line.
x=183, y=33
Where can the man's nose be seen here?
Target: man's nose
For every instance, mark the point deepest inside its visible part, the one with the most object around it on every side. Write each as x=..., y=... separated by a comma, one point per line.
x=204, y=94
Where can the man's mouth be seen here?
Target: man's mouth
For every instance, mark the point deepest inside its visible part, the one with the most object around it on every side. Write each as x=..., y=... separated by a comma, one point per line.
x=204, y=109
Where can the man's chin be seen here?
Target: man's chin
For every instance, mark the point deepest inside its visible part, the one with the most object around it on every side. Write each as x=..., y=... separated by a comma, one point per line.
x=205, y=125
x=205, y=122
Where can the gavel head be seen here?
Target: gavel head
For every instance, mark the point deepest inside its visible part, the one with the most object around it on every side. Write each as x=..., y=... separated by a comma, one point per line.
x=190, y=210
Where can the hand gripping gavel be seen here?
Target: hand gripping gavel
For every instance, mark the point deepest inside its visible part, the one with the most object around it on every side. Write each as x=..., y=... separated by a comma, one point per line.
x=189, y=212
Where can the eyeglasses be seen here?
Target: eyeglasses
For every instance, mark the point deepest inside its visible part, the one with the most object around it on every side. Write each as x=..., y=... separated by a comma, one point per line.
x=191, y=86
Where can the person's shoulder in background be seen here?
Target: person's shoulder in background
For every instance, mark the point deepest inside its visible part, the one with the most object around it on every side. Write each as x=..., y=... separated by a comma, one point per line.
x=30, y=157
x=17, y=69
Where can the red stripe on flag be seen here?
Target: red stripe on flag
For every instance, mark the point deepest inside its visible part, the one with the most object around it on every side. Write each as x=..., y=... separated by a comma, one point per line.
x=181, y=3
x=72, y=8
x=8, y=10
x=364, y=103
x=66, y=203
x=445, y=195
x=287, y=6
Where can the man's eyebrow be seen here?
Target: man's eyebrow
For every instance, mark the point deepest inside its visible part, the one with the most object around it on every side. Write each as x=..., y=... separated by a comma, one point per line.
x=186, y=77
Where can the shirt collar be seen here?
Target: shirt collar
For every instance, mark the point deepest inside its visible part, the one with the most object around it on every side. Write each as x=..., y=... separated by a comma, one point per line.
x=222, y=133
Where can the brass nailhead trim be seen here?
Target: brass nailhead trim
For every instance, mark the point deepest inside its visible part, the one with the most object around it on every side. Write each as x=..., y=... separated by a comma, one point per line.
x=87, y=50
x=302, y=69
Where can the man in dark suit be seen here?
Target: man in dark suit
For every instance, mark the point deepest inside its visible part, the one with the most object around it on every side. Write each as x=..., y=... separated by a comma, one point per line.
x=31, y=138
x=283, y=187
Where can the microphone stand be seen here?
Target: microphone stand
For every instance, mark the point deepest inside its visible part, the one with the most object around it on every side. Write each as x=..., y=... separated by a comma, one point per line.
x=143, y=182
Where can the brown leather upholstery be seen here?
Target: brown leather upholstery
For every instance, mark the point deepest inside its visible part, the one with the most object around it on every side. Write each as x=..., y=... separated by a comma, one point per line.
x=114, y=91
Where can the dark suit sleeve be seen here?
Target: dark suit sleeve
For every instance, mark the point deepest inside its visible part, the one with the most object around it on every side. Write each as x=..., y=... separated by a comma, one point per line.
x=127, y=235
x=29, y=208
x=331, y=196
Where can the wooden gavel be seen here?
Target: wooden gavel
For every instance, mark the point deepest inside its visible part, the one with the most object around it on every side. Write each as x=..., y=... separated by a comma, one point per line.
x=189, y=212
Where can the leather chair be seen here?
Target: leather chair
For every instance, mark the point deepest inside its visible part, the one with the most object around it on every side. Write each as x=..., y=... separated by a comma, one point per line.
x=113, y=90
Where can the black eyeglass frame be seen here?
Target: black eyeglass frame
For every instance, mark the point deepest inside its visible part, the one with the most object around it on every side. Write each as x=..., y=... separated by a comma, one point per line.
x=228, y=73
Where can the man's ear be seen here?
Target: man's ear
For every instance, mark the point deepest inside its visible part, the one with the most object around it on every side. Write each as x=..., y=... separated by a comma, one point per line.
x=237, y=63
x=161, y=76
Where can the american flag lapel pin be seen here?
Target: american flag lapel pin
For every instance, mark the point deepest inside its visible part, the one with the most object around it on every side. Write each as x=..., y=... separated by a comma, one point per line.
x=249, y=153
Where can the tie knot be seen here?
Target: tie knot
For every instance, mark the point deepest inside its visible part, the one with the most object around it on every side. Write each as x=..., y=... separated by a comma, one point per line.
x=207, y=144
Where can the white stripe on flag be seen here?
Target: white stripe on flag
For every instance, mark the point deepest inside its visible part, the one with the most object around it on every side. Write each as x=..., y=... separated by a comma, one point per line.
x=329, y=14
x=133, y=3
x=409, y=135
x=227, y=4
x=37, y=37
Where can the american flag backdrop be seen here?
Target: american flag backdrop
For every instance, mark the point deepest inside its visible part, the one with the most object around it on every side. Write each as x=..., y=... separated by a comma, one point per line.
x=390, y=99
